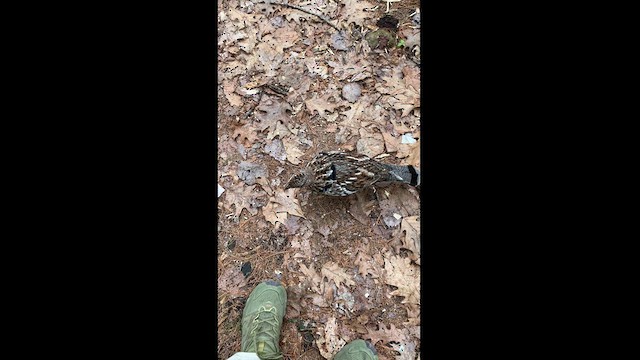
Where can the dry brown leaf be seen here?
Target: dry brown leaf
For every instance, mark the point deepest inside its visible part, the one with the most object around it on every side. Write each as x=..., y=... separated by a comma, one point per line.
x=333, y=271
x=270, y=113
x=412, y=76
x=366, y=265
x=266, y=59
x=229, y=87
x=411, y=152
x=361, y=207
x=320, y=104
x=282, y=204
x=312, y=277
x=390, y=142
x=285, y=37
x=242, y=197
x=231, y=280
x=329, y=342
x=245, y=134
x=291, y=147
x=411, y=227
x=370, y=143
x=272, y=215
x=383, y=334
x=402, y=343
x=353, y=11
x=401, y=273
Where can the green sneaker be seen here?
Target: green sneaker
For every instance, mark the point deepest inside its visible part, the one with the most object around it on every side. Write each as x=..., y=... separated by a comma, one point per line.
x=357, y=350
x=262, y=319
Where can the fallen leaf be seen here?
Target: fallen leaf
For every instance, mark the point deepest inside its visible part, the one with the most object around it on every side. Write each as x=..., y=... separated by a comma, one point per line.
x=401, y=273
x=383, y=334
x=333, y=271
x=320, y=104
x=312, y=277
x=276, y=150
x=243, y=197
x=229, y=87
x=270, y=113
x=250, y=172
x=282, y=204
x=370, y=143
x=411, y=227
x=411, y=152
x=366, y=265
x=329, y=342
x=354, y=11
x=245, y=134
x=390, y=142
x=293, y=151
x=231, y=281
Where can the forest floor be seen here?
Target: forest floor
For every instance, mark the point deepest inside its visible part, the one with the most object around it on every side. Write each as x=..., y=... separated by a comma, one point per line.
x=290, y=85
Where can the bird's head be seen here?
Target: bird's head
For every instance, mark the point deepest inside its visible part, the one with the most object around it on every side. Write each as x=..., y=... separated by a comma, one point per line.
x=297, y=181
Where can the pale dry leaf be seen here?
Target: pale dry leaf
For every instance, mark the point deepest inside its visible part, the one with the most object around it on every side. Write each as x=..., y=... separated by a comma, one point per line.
x=243, y=197
x=265, y=59
x=402, y=343
x=412, y=76
x=400, y=273
x=329, y=342
x=354, y=11
x=351, y=71
x=411, y=227
x=272, y=215
x=411, y=153
x=245, y=134
x=333, y=271
x=370, y=143
x=270, y=113
x=312, y=277
x=413, y=317
x=250, y=172
x=390, y=142
x=276, y=150
x=231, y=281
x=406, y=349
x=285, y=37
x=361, y=207
x=320, y=104
x=382, y=334
x=283, y=203
x=366, y=265
x=248, y=43
x=291, y=147
x=229, y=87
x=281, y=130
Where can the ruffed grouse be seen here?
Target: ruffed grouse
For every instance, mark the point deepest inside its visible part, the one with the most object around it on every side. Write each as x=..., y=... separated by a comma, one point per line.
x=338, y=174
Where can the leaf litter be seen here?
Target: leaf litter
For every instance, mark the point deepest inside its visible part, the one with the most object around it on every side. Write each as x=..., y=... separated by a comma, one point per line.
x=291, y=85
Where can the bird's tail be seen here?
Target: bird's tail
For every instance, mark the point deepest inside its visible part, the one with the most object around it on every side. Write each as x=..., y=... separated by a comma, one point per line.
x=404, y=173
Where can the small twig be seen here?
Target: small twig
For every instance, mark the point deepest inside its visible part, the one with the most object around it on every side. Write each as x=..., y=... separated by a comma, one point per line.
x=303, y=10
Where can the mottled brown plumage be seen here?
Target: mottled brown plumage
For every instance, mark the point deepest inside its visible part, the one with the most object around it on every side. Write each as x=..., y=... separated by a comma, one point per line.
x=339, y=174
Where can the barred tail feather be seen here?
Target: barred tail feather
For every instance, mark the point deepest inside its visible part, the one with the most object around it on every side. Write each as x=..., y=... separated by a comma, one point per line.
x=404, y=173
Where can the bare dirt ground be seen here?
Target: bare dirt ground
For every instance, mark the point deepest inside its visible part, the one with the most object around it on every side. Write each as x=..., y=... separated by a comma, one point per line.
x=286, y=90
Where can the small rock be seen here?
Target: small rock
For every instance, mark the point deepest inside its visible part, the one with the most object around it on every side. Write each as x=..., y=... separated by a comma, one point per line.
x=351, y=92
x=246, y=269
x=220, y=190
